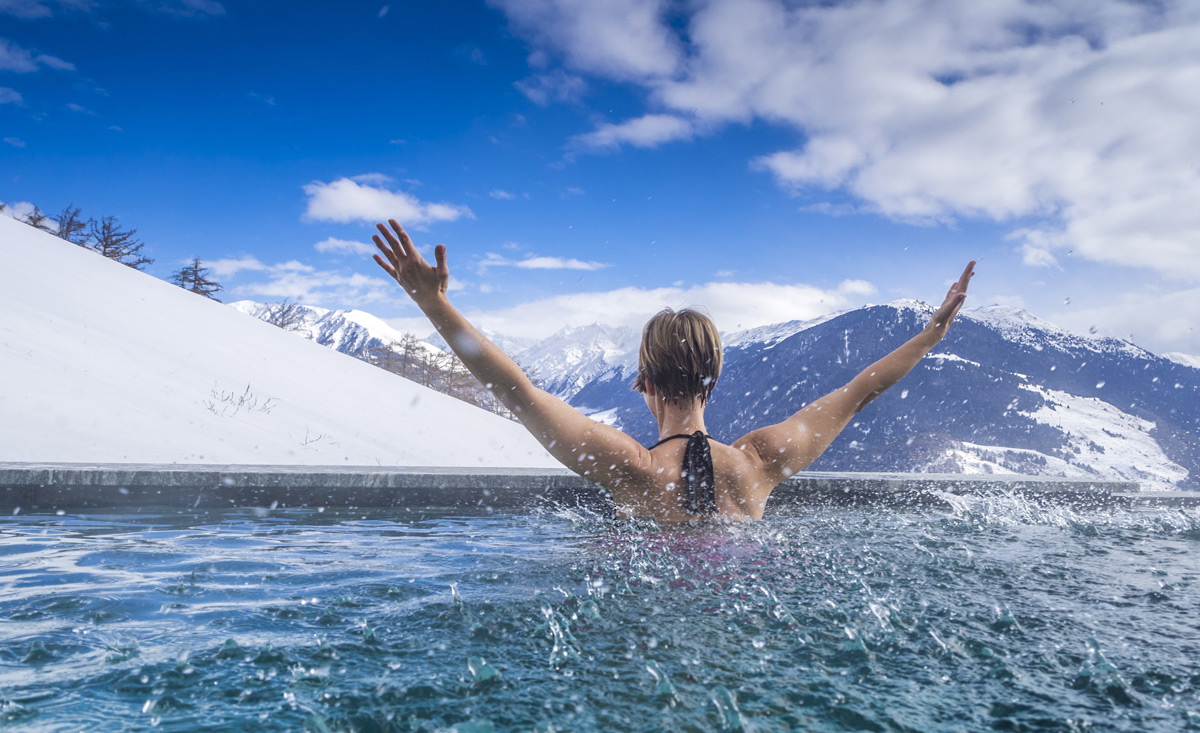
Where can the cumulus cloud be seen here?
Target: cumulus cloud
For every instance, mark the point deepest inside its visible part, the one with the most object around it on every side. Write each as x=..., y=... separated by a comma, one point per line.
x=623, y=39
x=733, y=306
x=535, y=262
x=1075, y=119
x=23, y=61
x=226, y=268
x=319, y=287
x=369, y=199
x=303, y=283
x=10, y=96
x=19, y=210
x=334, y=245
x=648, y=131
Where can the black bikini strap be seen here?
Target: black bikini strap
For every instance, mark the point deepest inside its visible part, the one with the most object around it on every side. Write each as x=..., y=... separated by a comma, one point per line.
x=681, y=435
x=701, y=497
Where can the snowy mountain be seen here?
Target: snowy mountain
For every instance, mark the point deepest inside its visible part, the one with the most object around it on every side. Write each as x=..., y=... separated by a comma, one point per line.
x=352, y=332
x=1004, y=392
x=573, y=357
x=108, y=364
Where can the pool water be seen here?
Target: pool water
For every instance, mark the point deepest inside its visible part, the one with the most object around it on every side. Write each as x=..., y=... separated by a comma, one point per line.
x=995, y=614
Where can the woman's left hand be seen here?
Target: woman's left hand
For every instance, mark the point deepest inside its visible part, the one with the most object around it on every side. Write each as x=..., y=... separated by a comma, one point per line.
x=954, y=300
x=405, y=264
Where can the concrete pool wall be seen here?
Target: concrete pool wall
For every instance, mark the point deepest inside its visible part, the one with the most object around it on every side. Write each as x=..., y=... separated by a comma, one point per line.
x=40, y=487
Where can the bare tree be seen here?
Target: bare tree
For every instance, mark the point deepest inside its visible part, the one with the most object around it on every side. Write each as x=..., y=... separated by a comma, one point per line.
x=71, y=227
x=38, y=220
x=286, y=315
x=118, y=244
x=194, y=278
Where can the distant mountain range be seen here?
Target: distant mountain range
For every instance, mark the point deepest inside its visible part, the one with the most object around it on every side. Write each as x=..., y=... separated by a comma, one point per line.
x=1004, y=392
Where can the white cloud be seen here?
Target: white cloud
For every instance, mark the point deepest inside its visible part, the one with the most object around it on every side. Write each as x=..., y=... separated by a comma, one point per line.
x=1074, y=117
x=23, y=61
x=1154, y=319
x=367, y=199
x=16, y=142
x=497, y=193
x=19, y=210
x=383, y=11
x=319, y=287
x=535, y=262
x=648, y=131
x=556, y=86
x=344, y=246
x=10, y=96
x=229, y=267
x=623, y=39
x=79, y=109
x=733, y=306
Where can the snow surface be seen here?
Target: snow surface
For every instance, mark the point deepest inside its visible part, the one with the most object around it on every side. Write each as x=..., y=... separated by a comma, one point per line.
x=1191, y=360
x=348, y=331
x=1106, y=441
x=106, y=364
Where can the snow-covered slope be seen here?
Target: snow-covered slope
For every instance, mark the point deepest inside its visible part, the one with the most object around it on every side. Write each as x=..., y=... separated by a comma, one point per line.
x=102, y=363
x=1178, y=357
x=575, y=356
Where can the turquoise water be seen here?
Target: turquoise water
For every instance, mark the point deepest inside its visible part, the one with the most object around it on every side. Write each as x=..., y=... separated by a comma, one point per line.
x=993, y=615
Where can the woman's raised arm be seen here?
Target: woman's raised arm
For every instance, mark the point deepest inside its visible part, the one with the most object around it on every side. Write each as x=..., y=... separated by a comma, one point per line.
x=598, y=451
x=787, y=447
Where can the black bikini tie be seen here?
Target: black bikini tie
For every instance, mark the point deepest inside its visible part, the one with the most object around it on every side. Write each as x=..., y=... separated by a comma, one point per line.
x=698, y=468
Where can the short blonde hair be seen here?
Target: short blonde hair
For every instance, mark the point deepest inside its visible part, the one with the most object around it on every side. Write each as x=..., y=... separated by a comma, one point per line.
x=680, y=356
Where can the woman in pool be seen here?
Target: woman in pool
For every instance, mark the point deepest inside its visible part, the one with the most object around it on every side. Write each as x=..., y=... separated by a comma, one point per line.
x=686, y=475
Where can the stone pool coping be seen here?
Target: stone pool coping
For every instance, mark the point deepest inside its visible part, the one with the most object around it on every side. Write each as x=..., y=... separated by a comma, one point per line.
x=39, y=487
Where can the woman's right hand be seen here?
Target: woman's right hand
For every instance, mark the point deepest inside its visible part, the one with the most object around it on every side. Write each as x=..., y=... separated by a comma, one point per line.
x=401, y=260
x=953, y=302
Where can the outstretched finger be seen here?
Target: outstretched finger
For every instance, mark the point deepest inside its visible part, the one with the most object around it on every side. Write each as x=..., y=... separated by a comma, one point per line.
x=405, y=240
x=968, y=273
x=443, y=271
x=386, y=267
x=387, y=251
x=394, y=243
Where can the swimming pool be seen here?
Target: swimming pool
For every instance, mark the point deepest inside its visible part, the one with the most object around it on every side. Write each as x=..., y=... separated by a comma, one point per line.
x=994, y=613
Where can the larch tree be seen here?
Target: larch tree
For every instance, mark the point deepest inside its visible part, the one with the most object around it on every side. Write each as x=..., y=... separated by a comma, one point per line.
x=194, y=279
x=286, y=315
x=115, y=243
x=38, y=220
x=71, y=226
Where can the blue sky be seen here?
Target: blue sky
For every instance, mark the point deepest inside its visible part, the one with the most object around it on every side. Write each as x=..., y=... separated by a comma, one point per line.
x=596, y=161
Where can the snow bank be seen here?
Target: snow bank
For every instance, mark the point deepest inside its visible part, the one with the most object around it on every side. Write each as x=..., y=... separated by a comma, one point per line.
x=102, y=363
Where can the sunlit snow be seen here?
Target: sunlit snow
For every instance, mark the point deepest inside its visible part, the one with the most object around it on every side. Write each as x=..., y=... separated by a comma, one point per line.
x=106, y=364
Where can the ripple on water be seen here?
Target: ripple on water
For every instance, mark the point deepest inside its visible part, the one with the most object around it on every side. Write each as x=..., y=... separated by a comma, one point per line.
x=991, y=615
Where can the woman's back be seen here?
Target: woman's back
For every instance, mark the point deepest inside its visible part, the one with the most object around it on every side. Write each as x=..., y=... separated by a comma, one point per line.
x=660, y=490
